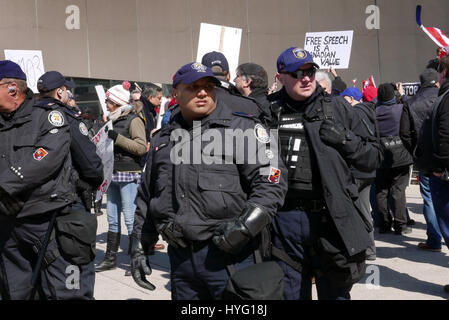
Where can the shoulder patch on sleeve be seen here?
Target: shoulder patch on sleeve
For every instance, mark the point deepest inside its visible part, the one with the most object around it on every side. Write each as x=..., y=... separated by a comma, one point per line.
x=56, y=118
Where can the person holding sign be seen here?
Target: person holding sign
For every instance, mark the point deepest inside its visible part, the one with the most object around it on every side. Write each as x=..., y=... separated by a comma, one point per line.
x=130, y=144
x=320, y=226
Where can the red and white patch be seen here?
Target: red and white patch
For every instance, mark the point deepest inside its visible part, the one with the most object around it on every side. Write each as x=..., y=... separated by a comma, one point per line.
x=275, y=175
x=40, y=154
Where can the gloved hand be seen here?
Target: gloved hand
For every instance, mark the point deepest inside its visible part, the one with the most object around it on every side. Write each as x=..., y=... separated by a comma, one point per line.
x=112, y=134
x=9, y=206
x=166, y=231
x=333, y=133
x=232, y=236
x=140, y=265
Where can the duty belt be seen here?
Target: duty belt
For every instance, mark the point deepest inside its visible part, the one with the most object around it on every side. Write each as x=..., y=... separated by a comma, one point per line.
x=305, y=205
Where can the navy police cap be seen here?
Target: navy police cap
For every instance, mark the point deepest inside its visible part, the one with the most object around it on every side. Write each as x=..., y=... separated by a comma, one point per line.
x=52, y=80
x=192, y=72
x=294, y=58
x=9, y=69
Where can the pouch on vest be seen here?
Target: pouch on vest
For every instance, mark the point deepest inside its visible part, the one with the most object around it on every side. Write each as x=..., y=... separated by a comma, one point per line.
x=76, y=236
x=260, y=281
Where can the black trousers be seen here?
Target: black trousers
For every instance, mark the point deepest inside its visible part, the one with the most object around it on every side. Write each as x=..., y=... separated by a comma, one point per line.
x=394, y=181
x=58, y=280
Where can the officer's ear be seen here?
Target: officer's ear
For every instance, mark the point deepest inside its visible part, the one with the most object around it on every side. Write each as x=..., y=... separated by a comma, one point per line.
x=279, y=77
x=59, y=93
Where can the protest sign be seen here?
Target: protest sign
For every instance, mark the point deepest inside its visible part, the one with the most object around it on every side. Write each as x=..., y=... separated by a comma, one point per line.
x=105, y=150
x=102, y=97
x=221, y=39
x=31, y=63
x=330, y=49
x=410, y=88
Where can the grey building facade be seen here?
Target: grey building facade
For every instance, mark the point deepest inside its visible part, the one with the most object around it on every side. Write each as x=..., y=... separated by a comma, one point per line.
x=148, y=40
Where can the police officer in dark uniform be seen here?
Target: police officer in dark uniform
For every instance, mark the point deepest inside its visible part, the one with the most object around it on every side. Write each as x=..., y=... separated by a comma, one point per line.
x=226, y=91
x=320, y=226
x=209, y=201
x=53, y=88
x=35, y=186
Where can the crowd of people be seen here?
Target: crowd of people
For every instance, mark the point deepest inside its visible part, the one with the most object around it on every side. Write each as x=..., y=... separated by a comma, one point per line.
x=297, y=202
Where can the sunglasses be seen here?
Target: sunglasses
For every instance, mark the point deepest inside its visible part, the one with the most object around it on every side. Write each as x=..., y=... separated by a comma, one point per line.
x=299, y=74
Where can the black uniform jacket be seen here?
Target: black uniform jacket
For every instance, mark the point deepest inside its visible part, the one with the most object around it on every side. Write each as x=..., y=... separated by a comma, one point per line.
x=201, y=196
x=35, y=162
x=83, y=151
x=339, y=188
x=441, y=123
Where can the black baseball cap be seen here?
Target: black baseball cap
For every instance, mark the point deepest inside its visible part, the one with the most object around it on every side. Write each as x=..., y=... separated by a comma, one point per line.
x=217, y=62
x=52, y=80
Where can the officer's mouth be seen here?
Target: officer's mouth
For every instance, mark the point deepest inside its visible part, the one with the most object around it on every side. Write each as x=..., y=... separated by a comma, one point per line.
x=201, y=103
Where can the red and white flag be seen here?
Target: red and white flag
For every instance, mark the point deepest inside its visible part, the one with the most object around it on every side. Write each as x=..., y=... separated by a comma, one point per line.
x=434, y=33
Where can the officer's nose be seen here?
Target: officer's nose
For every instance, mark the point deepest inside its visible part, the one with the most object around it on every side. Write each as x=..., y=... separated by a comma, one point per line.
x=202, y=92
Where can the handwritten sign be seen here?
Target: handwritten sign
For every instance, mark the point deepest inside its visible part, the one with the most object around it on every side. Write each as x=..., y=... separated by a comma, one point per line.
x=105, y=150
x=330, y=49
x=31, y=63
x=221, y=39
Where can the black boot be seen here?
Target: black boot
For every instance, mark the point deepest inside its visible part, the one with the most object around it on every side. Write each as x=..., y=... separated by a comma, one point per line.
x=110, y=257
x=128, y=272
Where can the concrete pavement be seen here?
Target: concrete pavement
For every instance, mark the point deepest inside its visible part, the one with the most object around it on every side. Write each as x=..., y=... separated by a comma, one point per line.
x=400, y=272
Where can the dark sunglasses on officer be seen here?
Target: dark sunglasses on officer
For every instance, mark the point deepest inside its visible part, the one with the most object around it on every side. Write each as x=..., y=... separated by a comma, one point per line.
x=299, y=74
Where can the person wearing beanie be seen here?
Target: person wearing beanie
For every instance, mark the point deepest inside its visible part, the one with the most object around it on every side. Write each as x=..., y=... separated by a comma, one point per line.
x=415, y=112
x=211, y=213
x=395, y=171
x=35, y=188
x=370, y=95
x=130, y=144
x=352, y=95
x=218, y=63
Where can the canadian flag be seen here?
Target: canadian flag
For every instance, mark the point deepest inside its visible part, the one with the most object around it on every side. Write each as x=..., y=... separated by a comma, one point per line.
x=368, y=83
x=434, y=33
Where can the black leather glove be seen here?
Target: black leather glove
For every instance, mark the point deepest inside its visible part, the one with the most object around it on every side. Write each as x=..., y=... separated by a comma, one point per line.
x=166, y=231
x=333, y=133
x=140, y=265
x=234, y=235
x=9, y=206
x=112, y=134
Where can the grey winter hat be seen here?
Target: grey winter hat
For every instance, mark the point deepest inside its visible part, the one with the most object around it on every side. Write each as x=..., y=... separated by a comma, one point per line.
x=428, y=78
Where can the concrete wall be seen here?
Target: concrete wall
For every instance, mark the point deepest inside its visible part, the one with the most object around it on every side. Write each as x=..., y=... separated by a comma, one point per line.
x=148, y=40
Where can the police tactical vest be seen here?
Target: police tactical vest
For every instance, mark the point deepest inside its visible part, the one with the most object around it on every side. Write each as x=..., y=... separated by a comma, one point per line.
x=123, y=160
x=295, y=151
x=303, y=172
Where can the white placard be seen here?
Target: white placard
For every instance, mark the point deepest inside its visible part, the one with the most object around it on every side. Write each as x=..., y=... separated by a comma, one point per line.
x=102, y=97
x=222, y=39
x=330, y=49
x=105, y=150
x=31, y=63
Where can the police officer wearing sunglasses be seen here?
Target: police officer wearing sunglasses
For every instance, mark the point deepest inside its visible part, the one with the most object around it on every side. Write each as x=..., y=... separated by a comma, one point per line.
x=320, y=226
